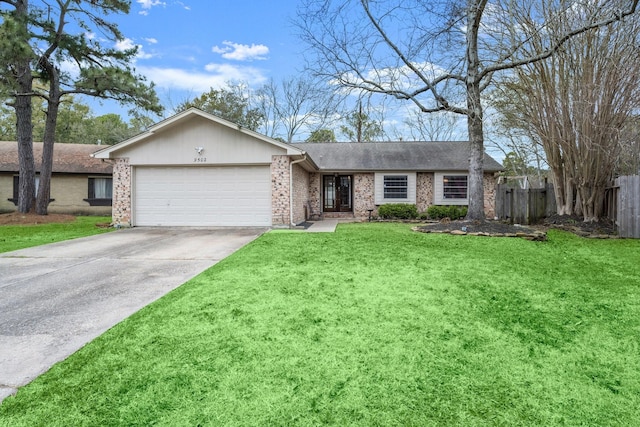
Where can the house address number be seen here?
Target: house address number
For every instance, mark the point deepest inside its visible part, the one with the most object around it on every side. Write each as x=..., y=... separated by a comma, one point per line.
x=199, y=159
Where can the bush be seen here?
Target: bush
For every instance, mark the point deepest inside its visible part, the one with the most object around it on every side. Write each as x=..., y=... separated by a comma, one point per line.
x=398, y=211
x=438, y=212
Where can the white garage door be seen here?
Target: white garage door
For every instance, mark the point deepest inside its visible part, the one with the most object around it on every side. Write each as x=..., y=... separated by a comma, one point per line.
x=202, y=196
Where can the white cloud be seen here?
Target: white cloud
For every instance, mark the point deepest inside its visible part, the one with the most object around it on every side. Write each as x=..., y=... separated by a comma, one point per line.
x=127, y=43
x=215, y=75
x=148, y=4
x=242, y=52
x=151, y=40
x=186, y=7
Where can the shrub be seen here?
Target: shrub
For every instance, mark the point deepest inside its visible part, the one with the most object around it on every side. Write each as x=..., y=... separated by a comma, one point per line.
x=398, y=211
x=452, y=212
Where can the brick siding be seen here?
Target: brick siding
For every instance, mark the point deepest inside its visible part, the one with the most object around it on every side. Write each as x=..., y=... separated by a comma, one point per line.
x=364, y=191
x=280, y=214
x=363, y=195
x=490, y=183
x=424, y=190
x=315, y=191
x=121, y=207
x=300, y=193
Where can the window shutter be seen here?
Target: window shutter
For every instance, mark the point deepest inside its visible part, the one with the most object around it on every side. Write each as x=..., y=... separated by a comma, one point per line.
x=16, y=186
x=91, y=192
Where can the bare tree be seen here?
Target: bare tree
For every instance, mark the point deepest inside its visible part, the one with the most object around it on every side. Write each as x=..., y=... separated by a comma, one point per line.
x=296, y=104
x=432, y=53
x=577, y=102
x=442, y=126
x=359, y=126
x=629, y=163
x=509, y=137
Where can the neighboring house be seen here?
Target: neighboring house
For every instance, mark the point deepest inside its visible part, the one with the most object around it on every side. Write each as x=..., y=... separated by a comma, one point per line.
x=195, y=169
x=80, y=184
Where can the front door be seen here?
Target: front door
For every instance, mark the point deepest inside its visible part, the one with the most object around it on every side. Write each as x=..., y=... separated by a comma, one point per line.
x=336, y=192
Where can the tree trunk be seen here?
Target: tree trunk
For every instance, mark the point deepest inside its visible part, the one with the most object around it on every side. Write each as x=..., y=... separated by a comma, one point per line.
x=24, y=132
x=592, y=202
x=26, y=163
x=44, y=190
x=476, y=166
x=563, y=192
x=474, y=118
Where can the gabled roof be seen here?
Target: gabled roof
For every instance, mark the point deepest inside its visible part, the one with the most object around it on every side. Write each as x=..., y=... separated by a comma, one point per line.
x=67, y=158
x=398, y=156
x=183, y=116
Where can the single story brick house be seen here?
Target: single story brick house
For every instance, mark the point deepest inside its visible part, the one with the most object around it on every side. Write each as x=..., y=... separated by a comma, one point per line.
x=80, y=184
x=196, y=169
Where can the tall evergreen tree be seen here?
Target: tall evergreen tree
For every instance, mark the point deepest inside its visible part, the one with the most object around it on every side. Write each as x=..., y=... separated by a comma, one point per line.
x=58, y=32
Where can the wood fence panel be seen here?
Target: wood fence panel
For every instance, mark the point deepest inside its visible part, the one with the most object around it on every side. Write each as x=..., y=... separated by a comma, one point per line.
x=521, y=206
x=622, y=204
x=628, y=206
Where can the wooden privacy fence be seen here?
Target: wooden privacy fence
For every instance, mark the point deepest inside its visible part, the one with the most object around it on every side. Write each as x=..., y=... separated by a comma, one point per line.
x=528, y=206
x=622, y=205
x=524, y=206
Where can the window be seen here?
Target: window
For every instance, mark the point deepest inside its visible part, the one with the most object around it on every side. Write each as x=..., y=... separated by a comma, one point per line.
x=100, y=191
x=16, y=189
x=450, y=188
x=395, y=186
x=454, y=187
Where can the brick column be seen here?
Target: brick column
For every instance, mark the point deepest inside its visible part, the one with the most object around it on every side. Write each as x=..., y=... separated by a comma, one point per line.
x=490, y=182
x=363, y=195
x=121, y=206
x=424, y=191
x=280, y=176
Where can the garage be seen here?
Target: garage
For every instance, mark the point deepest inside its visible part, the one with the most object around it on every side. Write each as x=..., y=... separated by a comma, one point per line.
x=198, y=170
x=202, y=196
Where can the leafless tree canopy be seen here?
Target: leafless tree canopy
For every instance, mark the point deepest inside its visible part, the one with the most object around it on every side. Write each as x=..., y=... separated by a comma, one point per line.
x=439, y=55
x=295, y=104
x=576, y=104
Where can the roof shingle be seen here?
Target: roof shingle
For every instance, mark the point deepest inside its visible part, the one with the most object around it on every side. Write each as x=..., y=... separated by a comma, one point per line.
x=67, y=158
x=399, y=156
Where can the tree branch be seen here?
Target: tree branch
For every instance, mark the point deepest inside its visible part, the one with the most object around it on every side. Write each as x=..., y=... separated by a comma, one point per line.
x=430, y=86
x=559, y=43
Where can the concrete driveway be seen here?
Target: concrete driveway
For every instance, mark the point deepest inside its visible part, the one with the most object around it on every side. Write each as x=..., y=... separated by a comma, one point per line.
x=56, y=298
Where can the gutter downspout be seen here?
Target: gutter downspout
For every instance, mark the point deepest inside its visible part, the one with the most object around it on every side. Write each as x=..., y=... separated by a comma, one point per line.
x=304, y=157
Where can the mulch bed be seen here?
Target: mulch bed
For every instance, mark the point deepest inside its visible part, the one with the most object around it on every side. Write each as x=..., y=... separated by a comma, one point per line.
x=600, y=230
x=17, y=218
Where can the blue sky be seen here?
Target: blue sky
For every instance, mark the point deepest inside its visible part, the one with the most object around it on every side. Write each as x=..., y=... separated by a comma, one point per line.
x=187, y=47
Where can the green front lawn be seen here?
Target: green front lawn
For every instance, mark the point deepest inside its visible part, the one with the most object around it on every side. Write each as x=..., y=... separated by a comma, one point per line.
x=371, y=325
x=13, y=237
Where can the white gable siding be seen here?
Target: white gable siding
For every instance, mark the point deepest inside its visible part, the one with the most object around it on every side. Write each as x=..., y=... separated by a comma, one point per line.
x=438, y=194
x=379, y=187
x=221, y=145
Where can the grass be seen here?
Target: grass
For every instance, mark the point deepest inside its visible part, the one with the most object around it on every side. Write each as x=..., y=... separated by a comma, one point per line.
x=373, y=325
x=13, y=237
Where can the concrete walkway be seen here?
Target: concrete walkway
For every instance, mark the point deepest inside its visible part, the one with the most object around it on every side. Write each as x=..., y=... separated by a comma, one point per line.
x=56, y=298
x=324, y=226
